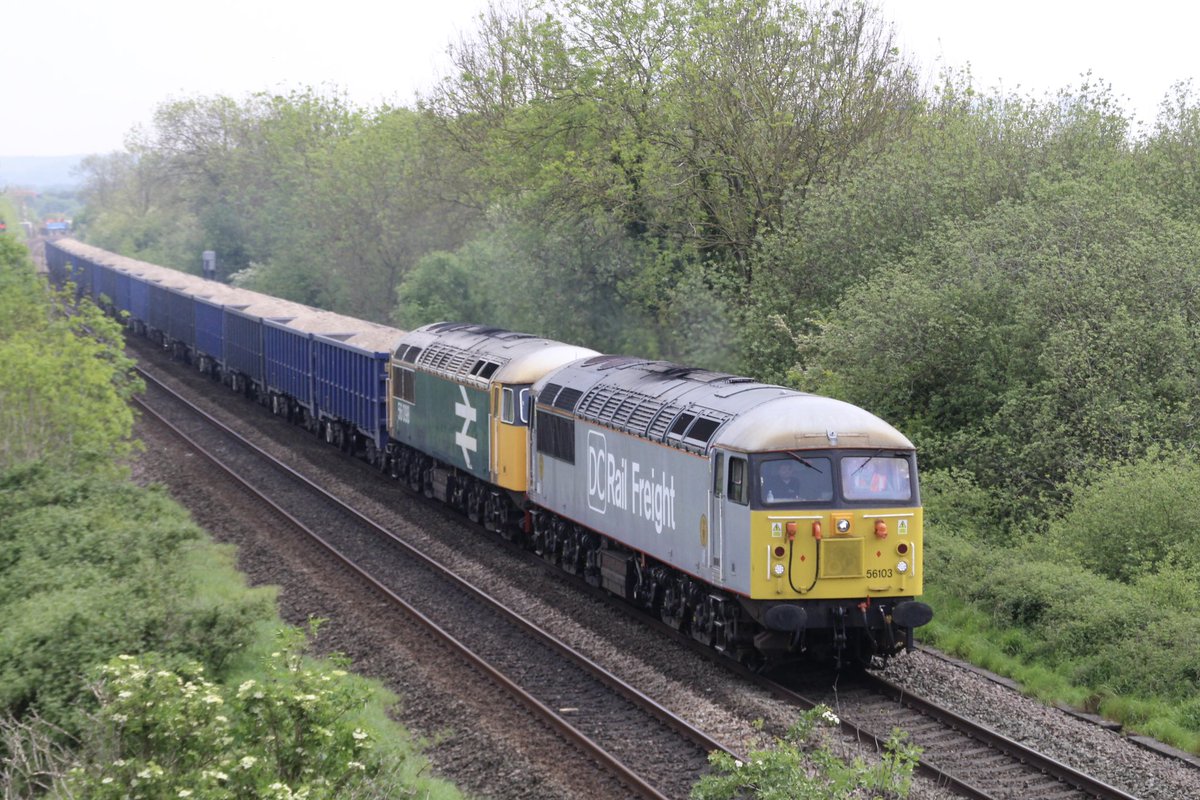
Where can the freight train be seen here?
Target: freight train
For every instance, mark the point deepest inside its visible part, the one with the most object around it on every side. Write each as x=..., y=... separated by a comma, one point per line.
x=770, y=524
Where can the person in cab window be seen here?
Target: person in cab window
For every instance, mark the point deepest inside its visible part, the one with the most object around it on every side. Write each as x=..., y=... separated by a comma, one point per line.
x=781, y=481
x=875, y=478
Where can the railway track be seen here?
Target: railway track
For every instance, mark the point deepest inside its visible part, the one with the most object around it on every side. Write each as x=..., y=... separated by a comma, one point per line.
x=650, y=751
x=968, y=758
x=973, y=760
x=959, y=755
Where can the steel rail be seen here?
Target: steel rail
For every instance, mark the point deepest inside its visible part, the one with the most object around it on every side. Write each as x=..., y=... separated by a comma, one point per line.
x=998, y=741
x=625, y=774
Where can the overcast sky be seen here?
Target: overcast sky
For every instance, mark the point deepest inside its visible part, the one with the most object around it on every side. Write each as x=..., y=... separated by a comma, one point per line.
x=79, y=74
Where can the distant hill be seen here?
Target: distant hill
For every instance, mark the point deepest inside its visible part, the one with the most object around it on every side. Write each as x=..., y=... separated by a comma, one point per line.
x=42, y=173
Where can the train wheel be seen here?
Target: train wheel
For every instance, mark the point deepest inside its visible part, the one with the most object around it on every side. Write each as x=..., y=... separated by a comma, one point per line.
x=675, y=610
x=475, y=502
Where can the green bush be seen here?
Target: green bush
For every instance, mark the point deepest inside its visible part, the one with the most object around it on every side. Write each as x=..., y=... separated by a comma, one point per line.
x=800, y=765
x=93, y=566
x=1133, y=518
x=954, y=500
x=294, y=732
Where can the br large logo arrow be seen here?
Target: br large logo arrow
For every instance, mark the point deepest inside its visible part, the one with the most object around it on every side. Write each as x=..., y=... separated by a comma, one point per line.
x=463, y=438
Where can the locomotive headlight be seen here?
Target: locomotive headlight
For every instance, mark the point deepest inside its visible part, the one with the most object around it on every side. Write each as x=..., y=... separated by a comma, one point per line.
x=778, y=570
x=902, y=566
x=843, y=525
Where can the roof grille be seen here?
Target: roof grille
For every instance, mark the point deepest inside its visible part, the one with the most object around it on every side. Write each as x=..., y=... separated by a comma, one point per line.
x=454, y=362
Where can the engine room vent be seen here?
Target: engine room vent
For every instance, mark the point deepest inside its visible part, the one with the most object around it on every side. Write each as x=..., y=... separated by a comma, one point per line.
x=660, y=423
x=409, y=353
x=702, y=430
x=484, y=368
x=567, y=398
x=548, y=394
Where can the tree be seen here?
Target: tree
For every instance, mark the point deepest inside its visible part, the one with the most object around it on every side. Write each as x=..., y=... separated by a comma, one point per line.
x=65, y=381
x=1028, y=346
x=1171, y=155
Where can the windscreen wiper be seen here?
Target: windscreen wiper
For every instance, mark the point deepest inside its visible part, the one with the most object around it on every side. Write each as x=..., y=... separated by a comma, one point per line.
x=805, y=462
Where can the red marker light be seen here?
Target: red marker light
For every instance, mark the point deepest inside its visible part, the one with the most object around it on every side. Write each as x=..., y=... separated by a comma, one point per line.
x=902, y=548
x=779, y=551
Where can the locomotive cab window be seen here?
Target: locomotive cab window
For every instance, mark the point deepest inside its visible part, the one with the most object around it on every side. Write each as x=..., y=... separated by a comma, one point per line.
x=514, y=406
x=507, y=407
x=795, y=480
x=876, y=477
x=737, y=481
x=402, y=384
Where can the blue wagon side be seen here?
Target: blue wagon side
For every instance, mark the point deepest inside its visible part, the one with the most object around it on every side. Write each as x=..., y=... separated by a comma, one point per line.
x=288, y=358
x=106, y=286
x=122, y=299
x=351, y=386
x=243, y=340
x=210, y=337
